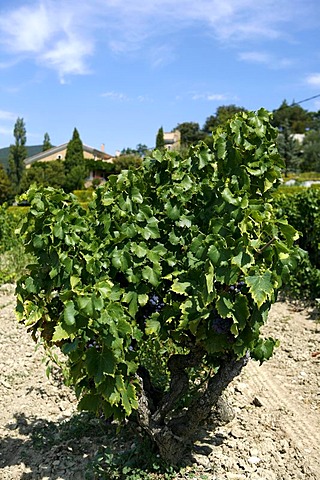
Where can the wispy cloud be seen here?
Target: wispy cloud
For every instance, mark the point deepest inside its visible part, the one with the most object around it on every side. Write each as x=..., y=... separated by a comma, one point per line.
x=313, y=80
x=122, y=97
x=4, y=115
x=6, y=131
x=265, y=58
x=64, y=35
x=115, y=96
x=7, y=118
x=211, y=97
x=48, y=34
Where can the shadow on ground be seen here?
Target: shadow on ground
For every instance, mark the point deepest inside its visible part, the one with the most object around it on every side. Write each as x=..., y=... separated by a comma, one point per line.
x=54, y=449
x=80, y=448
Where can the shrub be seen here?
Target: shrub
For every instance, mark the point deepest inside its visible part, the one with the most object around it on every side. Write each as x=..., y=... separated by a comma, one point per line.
x=156, y=293
x=302, y=210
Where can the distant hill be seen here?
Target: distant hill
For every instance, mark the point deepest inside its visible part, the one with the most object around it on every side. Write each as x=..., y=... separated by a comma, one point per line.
x=4, y=153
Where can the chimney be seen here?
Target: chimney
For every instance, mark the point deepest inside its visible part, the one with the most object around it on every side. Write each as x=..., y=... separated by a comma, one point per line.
x=102, y=147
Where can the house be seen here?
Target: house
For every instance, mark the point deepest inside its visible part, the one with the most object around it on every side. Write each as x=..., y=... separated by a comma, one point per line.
x=172, y=140
x=59, y=153
x=299, y=137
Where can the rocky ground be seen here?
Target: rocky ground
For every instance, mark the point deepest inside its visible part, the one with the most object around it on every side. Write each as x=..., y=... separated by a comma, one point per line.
x=275, y=434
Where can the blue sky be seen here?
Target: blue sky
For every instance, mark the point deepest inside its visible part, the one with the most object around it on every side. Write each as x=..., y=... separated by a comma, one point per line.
x=118, y=70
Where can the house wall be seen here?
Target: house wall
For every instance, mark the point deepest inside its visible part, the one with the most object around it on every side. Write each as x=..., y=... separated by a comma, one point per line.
x=172, y=140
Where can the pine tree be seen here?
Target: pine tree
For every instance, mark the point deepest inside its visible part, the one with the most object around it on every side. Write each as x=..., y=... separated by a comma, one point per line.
x=46, y=142
x=74, y=164
x=160, y=139
x=17, y=155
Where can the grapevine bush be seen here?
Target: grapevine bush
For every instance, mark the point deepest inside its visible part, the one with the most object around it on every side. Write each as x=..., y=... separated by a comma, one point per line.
x=302, y=210
x=157, y=291
x=12, y=257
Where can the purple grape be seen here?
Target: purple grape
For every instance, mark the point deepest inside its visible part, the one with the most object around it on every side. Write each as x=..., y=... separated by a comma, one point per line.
x=220, y=325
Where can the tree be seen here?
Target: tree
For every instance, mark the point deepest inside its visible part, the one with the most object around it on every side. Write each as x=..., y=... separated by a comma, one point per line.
x=224, y=113
x=74, y=164
x=311, y=152
x=5, y=186
x=210, y=124
x=142, y=149
x=17, y=155
x=299, y=120
x=190, y=133
x=157, y=291
x=315, y=120
x=289, y=149
x=160, y=139
x=123, y=162
x=46, y=142
x=48, y=174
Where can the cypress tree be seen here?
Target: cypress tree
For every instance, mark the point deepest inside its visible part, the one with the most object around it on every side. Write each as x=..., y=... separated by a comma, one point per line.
x=17, y=155
x=74, y=164
x=160, y=139
x=46, y=142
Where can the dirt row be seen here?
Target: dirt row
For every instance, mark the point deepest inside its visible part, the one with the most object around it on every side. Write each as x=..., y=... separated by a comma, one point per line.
x=275, y=434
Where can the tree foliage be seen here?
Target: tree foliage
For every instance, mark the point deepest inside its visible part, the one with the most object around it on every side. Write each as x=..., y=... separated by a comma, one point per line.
x=141, y=150
x=298, y=119
x=46, y=143
x=190, y=133
x=289, y=149
x=126, y=161
x=5, y=186
x=311, y=152
x=48, y=174
x=160, y=139
x=223, y=114
x=74, y=164
x=17, y=155
x=164, y=280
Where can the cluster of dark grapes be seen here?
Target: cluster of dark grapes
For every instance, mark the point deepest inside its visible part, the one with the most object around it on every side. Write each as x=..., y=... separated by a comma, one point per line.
x=237, y=287
x=154, y=305
x=219, y=324
x=93, y=344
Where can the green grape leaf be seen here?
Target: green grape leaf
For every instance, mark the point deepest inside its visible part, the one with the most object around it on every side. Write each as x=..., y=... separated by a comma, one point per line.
x=69, y=313
x=260, y=287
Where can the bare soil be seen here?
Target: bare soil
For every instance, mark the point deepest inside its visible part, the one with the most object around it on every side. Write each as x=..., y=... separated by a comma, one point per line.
x=275, y=434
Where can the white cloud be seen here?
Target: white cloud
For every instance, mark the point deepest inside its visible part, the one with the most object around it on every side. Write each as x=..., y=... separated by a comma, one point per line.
x=265, y=58
x=68, y=57
x=122, y=97
x=6, y=131
x=63, y=35
x=144, y=98
x=4, y=115
x=115, y=96
x=27, y=29
x=50, y=33
x=314, y=79
x=211, y=97
x=255, y=57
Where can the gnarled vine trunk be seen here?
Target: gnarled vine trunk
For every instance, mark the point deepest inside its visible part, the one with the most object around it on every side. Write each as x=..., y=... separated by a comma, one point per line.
x=173, y=432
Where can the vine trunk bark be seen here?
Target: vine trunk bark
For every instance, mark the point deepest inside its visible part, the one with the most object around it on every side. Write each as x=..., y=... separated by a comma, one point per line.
x=173, y=432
